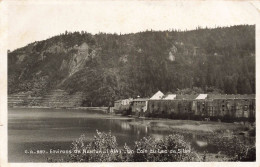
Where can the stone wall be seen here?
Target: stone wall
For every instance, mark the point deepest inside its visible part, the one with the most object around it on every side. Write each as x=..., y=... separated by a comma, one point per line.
x=56, y=98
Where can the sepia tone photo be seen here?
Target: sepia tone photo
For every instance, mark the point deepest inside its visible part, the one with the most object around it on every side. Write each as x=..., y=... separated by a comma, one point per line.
x=131, y=82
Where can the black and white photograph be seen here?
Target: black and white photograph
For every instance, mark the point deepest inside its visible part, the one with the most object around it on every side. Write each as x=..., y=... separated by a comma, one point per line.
x=130, y=81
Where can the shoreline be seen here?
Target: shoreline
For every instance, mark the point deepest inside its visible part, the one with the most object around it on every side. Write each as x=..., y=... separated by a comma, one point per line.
x=159, y=123
x=73, y=108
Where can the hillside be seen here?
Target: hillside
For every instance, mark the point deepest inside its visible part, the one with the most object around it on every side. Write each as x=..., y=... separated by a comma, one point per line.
x=105, y=67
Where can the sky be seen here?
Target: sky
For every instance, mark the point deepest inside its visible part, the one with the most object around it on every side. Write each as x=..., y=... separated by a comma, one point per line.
x=30, y=21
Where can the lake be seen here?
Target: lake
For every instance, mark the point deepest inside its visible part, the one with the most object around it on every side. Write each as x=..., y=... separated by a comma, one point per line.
x=44, y=129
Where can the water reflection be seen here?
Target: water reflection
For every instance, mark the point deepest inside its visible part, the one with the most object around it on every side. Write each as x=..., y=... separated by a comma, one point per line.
x=125, y=126
x=50, y=128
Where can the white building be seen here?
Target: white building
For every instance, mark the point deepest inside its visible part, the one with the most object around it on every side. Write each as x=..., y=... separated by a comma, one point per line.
x=126, y=101
x=202, y=96
x=170, y=97
x=157, y=96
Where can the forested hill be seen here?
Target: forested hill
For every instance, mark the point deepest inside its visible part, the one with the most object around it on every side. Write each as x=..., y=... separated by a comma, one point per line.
x=106, y=67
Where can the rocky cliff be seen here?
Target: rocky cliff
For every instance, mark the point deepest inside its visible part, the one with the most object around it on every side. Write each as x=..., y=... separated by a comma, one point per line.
x=96, y=69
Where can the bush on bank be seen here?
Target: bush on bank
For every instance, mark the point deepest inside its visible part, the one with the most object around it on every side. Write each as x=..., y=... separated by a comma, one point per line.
x=104, y=148
x=172, y=148
x=233, y=147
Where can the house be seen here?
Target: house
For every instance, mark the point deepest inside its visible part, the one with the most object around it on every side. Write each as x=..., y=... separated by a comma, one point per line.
x=124, y=104
x=225, y=106
x=139, y=105
x=126, y=101
x=214, y=106
x=157, y=96
x=117, y=104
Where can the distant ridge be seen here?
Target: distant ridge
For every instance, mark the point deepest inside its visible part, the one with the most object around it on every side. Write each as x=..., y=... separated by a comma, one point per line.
x=106, y=67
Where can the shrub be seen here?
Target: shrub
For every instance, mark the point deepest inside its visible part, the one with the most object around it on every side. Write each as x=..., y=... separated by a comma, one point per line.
x=233, y=147
x=172, y=148
x=105, y=149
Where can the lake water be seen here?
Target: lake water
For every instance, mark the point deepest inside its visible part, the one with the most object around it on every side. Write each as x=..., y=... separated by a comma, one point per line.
x=44, y=129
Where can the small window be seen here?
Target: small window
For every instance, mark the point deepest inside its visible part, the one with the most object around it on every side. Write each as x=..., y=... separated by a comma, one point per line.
x=245, y=107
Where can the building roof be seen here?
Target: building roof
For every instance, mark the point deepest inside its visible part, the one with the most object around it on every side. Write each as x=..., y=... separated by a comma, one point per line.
x=170, y=97
x=186, y=97
x=231, y=96
x=207, y=96
x=202, y=96
x=157, y=96
x=141, y=99
x=124, y=99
